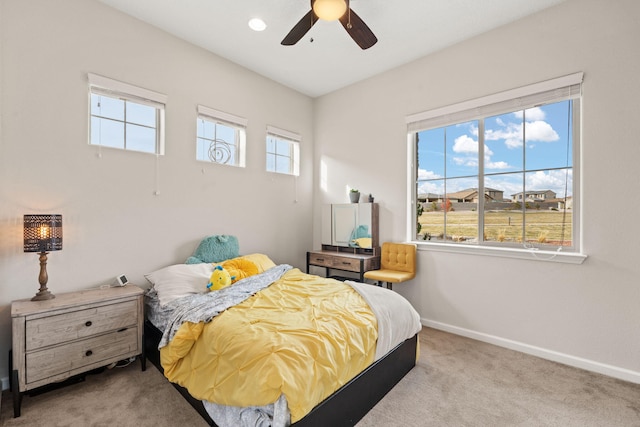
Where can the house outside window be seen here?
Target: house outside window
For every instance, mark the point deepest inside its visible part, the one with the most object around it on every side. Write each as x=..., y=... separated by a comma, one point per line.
x=282, y=151
x=124, y=116
x=500, y=171
x=220, y=137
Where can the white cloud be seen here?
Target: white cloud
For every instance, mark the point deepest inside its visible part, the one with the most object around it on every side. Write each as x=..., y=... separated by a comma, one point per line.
x=540, y=131
x=465, y=144
x=466, y=161
x=532, y=114
x=497, y=165
x=425, y=174
x=512, y=133
x=430, y=187
x=554, y=180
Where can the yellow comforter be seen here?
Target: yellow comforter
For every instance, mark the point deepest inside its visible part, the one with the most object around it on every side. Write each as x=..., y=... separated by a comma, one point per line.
x=303, y=336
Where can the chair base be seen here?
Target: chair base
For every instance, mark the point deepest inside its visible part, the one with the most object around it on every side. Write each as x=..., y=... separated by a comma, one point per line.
x=388, y=285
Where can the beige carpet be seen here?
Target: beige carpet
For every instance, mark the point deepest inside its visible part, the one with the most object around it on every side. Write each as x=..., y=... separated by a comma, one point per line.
x=458, y=382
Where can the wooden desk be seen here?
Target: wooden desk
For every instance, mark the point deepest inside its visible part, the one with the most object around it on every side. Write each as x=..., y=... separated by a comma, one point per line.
x=336, y=260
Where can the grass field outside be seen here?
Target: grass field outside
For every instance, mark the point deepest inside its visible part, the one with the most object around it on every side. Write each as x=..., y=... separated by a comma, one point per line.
x=545, y=227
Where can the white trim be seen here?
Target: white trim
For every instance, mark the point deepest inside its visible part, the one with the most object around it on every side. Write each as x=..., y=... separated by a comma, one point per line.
x=221, y=115
x=507, y=95
x=126, y=88
x=532, y=254
x=566, y=359
x=411, y=211
x=272, y=130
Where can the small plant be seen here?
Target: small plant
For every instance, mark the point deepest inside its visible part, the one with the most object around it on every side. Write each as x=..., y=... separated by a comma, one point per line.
x=354, y=190
x=502, y=235
x=542, y=237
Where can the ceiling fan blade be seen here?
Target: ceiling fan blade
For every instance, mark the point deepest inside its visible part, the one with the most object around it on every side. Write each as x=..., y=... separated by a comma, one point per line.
x=300, y=29
x=358, y=30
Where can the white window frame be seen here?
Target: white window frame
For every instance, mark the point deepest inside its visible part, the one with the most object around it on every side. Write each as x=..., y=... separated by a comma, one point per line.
x=239, y=124
x=554, y=90
x=105, y=86
x=293, y=139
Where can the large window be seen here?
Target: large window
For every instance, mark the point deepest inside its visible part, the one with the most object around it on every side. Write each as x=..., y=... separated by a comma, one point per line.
x=125, y=116
x=221, y=137
x=500, y=171
x=283, y=151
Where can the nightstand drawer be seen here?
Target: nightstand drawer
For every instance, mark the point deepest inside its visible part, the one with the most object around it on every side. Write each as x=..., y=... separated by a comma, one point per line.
x=69, y=357
x=65, y=327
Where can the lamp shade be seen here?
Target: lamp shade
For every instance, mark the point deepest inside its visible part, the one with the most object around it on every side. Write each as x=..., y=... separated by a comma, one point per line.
x=42, y=233
x=329, y=10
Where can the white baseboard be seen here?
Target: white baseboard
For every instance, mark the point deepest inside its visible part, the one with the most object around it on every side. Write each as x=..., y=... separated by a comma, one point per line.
x=5, y=383
x=566, y=359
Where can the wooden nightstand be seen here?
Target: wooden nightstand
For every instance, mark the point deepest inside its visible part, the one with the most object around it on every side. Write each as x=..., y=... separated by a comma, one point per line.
x=73, y=333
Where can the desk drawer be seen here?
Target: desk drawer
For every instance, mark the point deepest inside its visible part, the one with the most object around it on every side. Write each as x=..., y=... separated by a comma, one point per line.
x=321, y=260
x=347, y=264
x=64, y=358
x=65, y=327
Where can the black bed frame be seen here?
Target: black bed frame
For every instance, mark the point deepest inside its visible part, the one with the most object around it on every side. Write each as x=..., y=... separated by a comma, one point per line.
x=346, y=406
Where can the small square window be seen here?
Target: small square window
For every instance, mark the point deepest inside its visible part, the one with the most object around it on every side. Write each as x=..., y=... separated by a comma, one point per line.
x=220, y=142
x=220, y=137
x=122, y=116
x=283, y=153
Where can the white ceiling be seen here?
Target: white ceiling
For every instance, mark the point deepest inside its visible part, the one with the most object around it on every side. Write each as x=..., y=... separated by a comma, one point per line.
x=406, y=30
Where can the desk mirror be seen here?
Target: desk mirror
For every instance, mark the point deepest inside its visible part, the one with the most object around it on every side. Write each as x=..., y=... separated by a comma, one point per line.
x=350, y=225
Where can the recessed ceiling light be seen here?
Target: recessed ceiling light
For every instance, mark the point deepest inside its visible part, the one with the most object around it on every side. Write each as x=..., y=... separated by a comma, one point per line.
x=257, y=24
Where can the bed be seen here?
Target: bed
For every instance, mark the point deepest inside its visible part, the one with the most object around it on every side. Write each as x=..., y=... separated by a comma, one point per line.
x=236, y=357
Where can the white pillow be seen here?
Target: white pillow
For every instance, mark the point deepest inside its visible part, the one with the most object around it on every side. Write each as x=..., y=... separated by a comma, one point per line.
x=180, y=280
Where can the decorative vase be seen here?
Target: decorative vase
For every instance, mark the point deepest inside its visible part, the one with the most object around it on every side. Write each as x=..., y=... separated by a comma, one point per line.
x=354, y=196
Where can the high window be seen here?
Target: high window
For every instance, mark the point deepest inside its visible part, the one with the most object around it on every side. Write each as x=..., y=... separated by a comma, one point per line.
x=221, y=137
x=283, y=151
x=125, y=116
x=500, y=171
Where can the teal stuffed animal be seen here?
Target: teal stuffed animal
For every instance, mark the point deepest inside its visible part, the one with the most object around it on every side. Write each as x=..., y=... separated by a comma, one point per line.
x=219, y=279
x=216, y=248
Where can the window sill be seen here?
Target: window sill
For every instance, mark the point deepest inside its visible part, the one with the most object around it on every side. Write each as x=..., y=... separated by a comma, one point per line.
x=528, y=254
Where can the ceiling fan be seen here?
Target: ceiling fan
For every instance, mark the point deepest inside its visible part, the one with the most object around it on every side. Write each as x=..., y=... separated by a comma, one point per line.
x=331, y=10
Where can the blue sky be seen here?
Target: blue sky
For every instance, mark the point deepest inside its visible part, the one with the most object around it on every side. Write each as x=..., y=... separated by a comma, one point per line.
x=508, y=158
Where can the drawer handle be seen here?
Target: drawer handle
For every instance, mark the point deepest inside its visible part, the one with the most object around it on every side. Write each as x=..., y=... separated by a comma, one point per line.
x=88, y=353
x=122, y=329
x=346, y=263
x=320, y=259
x=88, y=323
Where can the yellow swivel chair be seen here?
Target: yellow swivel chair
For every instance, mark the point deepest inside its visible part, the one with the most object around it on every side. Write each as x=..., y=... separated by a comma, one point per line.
x=397, y=264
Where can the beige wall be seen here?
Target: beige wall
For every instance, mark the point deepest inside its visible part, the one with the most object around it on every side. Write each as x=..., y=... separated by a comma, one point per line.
x=586, y=315
x=113, y=222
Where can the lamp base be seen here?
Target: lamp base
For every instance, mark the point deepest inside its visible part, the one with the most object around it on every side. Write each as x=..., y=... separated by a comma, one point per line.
x=43, y=278
x=43, y=295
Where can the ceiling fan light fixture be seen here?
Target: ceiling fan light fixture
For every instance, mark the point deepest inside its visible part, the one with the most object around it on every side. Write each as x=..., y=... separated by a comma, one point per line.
x=329, y=10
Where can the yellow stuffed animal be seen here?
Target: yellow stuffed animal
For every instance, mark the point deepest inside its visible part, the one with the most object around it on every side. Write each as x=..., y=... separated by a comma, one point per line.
x=240, y=268
x=219, y=279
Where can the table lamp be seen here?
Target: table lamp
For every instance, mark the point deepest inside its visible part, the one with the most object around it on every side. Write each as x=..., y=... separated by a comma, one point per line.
x=43, y=233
